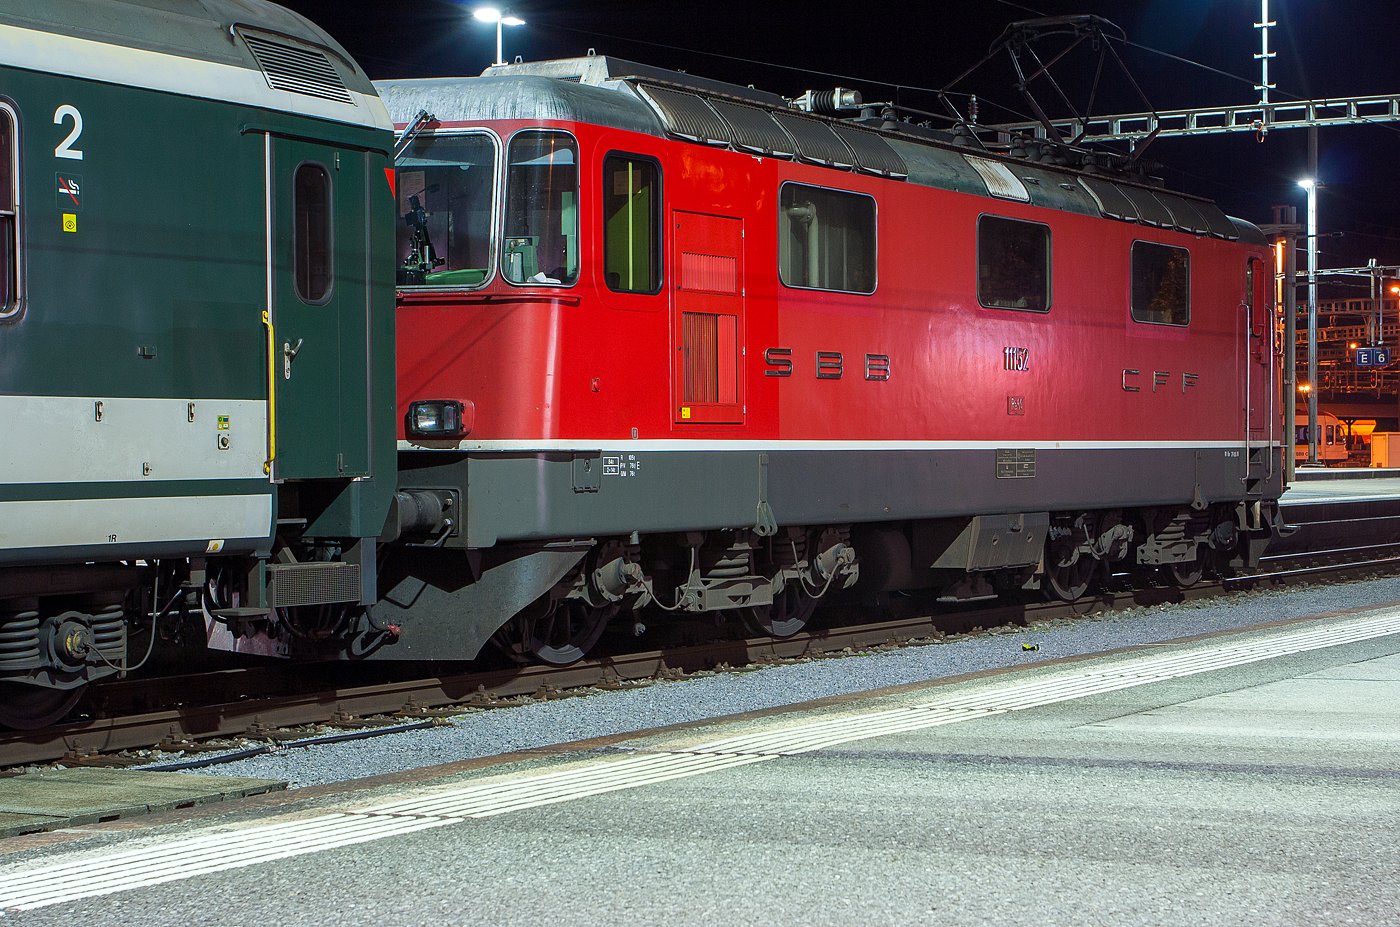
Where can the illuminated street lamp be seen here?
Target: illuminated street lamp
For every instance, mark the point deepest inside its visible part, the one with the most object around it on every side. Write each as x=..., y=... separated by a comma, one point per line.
x=1310, y=184
x=489, y=14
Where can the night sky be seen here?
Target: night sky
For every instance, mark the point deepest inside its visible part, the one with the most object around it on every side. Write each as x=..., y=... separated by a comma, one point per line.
x=901, y=52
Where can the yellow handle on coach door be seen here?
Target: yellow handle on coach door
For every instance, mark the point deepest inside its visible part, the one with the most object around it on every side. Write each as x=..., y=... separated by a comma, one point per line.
x=271, y=394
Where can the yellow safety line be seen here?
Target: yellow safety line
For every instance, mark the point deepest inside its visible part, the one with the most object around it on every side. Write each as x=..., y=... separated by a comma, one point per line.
x=271, y=394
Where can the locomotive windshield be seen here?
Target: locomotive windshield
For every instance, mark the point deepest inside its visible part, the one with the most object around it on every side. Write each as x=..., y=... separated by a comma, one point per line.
x=445, y=188
x=541, y=235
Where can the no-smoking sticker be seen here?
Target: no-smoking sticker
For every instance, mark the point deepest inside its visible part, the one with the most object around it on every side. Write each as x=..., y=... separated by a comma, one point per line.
x=70, y=192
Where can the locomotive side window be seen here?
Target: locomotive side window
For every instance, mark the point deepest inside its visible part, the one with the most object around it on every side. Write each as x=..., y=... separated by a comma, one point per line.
x=826, y=239
x=446, y=187
x=9, y=215
x=1013, y=264
x=1161, y=284
x=631, y=224
x=541, y=234
x=311, y=236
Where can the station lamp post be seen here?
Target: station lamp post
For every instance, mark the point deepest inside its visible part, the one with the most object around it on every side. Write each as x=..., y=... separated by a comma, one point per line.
x=489, y=14
x=1310, y=185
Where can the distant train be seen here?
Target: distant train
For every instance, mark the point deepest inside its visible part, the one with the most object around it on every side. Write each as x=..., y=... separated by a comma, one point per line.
x=664, y=345
x=1331, y=438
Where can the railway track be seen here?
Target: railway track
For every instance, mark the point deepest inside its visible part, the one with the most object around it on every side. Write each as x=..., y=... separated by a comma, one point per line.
x=227, y=711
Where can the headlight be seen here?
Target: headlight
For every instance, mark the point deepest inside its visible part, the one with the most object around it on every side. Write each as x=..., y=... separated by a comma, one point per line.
x=439, y=418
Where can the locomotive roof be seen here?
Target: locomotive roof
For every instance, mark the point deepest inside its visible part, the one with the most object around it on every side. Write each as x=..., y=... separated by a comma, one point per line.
x=299, y=67
x=609, y=91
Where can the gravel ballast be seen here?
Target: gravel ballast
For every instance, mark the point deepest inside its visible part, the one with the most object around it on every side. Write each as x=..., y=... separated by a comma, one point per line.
x=597, y=714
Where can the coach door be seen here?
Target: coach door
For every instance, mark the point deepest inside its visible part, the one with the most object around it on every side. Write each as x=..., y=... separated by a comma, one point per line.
x=708, y=325
x=319, y=309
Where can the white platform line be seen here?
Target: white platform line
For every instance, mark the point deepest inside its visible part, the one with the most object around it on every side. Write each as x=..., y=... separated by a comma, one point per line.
x=175, y=861
x=814, y=735
x=598, y=778
x=88, y=875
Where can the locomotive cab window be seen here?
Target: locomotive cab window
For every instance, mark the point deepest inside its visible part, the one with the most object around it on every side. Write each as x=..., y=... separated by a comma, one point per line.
x=1013, y=264
x=826, y=239
x=1161, y=292
x=9, y=215
x=446, y=190
x=541, y=233
x=631, y=224
x=311, y=236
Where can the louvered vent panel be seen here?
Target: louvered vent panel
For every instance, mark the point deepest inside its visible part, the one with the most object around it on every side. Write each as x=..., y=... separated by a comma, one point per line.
x=709, y=273
x=873, y=153
x=754, y=130
x=299, y=70
x=1111, y=200
x=686, y=115
x=816, y=143
x=1149, y=209
x=1184, y=215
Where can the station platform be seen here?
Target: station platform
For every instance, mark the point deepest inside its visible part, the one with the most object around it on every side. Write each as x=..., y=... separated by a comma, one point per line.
x=1246, y=777
x=1342, y=484
x=51, y=799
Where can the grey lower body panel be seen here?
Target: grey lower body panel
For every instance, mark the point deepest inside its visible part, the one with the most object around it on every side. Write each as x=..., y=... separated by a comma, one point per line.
x=546, y=495
x=445, y=611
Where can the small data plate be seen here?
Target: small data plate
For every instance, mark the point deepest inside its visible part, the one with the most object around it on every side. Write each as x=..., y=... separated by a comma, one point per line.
x=1016, y=463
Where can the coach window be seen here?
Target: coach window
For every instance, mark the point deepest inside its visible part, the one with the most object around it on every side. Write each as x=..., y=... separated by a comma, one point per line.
x=446, y=187
x=1013, y=264
x=9, y=215
x=1161, y=284
x=826, y=239
x=631, y=224
x=541, y=232
x=311, y=238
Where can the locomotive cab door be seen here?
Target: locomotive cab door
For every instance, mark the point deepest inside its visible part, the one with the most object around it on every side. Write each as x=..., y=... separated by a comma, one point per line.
x=708, y=325
x=1260, y=409
x=319, y=308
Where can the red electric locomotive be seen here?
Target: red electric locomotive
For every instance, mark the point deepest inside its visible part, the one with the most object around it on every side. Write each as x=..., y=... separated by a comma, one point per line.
x=677, y=344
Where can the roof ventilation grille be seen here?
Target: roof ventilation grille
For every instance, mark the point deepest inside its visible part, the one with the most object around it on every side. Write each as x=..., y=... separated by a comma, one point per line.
x=299, y=70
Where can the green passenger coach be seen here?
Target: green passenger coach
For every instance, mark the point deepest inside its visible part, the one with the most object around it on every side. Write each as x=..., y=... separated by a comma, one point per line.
x=196, y=334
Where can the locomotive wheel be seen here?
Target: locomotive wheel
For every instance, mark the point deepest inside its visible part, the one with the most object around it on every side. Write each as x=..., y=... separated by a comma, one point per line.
x=28, y=708
x=1186, y=574
x=561, y=637
x=1069, y=582
x=791, y=610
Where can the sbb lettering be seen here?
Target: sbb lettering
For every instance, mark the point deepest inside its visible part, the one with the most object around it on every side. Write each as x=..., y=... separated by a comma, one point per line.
x=830, y=365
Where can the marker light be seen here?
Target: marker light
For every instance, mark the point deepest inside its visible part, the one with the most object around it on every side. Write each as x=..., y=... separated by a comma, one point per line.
x=439, y=418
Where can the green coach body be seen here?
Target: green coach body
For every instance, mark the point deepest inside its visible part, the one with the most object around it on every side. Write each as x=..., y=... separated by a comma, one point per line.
x=196, y=331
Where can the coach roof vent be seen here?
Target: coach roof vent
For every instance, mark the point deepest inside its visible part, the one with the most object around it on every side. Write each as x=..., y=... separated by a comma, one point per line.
x=297, y=69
